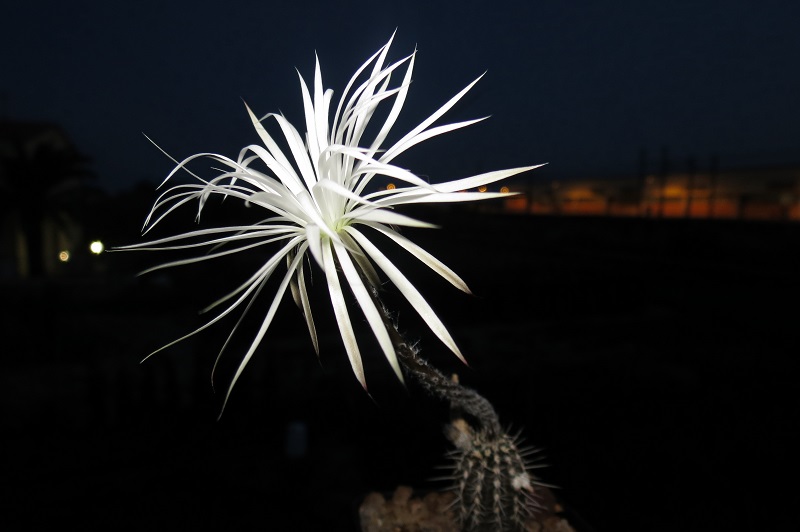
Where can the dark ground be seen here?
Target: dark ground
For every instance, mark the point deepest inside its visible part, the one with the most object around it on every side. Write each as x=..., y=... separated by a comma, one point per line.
x=652, y=360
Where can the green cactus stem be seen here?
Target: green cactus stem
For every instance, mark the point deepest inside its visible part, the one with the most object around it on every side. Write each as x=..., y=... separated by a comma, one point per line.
x=492, y=480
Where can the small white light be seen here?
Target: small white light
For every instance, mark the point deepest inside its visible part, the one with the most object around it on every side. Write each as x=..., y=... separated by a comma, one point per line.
x=63, y=256
x=96, y=247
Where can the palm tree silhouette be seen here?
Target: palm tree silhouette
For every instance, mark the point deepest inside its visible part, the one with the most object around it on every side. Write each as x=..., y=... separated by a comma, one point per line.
x=39, y=165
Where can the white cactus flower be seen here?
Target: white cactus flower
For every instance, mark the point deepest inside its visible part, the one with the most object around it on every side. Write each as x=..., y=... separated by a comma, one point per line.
x=315, y=188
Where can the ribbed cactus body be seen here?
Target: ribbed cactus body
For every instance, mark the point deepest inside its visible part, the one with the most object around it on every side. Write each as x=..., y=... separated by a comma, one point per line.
x=495, y=490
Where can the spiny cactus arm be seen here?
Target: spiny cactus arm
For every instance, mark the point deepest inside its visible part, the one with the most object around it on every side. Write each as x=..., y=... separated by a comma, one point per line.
x=494, y=489
x=463, y=401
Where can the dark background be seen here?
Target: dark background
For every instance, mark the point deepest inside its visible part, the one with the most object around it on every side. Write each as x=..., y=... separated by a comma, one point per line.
x=652, y=360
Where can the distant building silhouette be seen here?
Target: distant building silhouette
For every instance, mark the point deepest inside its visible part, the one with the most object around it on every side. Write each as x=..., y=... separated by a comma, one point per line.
x=762, y=193
x=40, y=172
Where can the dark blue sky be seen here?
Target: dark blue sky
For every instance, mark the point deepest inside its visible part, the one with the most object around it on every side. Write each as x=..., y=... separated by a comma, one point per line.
x=581, y=85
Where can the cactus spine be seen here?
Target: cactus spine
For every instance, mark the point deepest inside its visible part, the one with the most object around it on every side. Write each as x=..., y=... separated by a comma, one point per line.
x=495, y=490
x=494, y=486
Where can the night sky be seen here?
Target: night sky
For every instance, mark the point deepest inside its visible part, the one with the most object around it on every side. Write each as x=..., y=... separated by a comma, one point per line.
x=582, y=85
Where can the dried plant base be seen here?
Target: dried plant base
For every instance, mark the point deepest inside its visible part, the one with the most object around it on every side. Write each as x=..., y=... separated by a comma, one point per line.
x=404, y=512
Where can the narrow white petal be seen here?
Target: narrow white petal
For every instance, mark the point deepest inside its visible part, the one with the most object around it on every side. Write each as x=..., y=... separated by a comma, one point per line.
x=342, y=316
x=402, y=192
x=285, y=206
x=210, y=256
x=183, y=165
x=398, y=148
x=320, y=109
x=264, y=326
x=295, y=289
x=364, y=107
x=298, y=150
x=335, y=130
x=425, y=257
x=262, y=276
x=214, y=243
x=362, y=260
x=300, y=296
x=389, y=170
x=268, y=266
x=396, y=108
x=286, y=175
x=387, y=217
x=368, y=307
x=306, y=306
x=182, y=198
x=407, y=289
x=445, y=197
x=231, y=334
x=292, y=180
x=312, y=140
x=390, y=154
x=481, y=179
x=315, y=243
x=336, y=188
x=251, y=230
x=372, y=166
